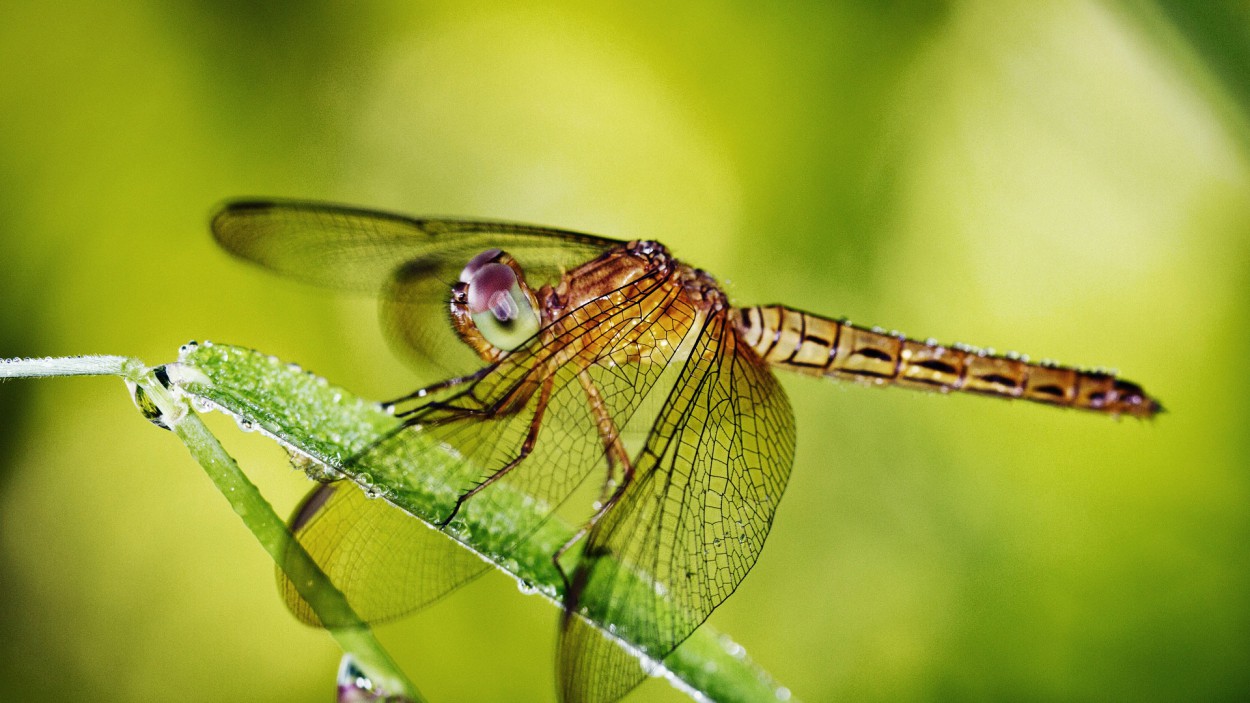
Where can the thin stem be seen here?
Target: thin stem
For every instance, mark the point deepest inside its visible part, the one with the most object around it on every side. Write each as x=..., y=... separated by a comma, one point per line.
x=69, y=366
x=279, y=399
x=271, y=531
x=326, y=423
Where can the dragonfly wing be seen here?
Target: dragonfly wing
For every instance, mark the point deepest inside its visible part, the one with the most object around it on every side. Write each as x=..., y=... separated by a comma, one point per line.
x=691, y=524
x=409, y=262
x=415, y=312
x=534, y=400
x=385, y=561
x=459, y=437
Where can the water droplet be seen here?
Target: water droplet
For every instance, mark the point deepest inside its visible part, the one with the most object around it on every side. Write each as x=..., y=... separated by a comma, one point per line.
x=318, y=471
x=365, y=481
x=354, y=686
x=147, y=407
x=458, y=530
x=782, y=693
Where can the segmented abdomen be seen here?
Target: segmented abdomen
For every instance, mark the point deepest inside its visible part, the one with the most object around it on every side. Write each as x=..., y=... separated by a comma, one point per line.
x=819, y=346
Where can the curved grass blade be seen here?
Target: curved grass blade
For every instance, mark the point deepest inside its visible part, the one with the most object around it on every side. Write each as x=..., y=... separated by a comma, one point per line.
x=163, y=405
x=327, y=425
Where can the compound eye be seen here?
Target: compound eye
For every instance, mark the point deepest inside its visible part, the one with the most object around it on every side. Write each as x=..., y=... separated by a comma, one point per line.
x=476, y=263
x=498, y=304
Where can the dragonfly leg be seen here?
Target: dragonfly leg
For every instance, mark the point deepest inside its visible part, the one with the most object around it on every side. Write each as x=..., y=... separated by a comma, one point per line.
x=564, y=578
x=435, y=388
x=614, y=453
x=531, y=436
x=613, y=449
x=573, y=589
x=420, y=416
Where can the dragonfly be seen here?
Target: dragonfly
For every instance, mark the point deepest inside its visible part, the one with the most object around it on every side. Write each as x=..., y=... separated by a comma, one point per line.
x=572, y=358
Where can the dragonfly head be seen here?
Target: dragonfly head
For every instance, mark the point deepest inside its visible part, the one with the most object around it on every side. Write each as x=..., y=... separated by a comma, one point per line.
x=493, y=309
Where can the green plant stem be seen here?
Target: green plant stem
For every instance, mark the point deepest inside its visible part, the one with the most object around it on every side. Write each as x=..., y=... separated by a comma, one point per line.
x=322, y=422
x=325, y=423
x=272, y=533
x=174, y=413
x=69, y=366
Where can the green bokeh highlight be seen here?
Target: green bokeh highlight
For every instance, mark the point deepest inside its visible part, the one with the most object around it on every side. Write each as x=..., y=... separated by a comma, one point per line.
x=1068, y=179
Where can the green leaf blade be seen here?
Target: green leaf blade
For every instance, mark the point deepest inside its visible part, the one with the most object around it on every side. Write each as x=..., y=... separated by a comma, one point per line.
x=328, y=425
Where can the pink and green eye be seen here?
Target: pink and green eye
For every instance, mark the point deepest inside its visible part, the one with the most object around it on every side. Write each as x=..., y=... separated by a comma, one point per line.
x=497, y=303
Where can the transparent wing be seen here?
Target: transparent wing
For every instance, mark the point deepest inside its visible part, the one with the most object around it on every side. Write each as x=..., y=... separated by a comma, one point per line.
x=386, y=562
x=530, y=413
x=410, y=263
x=690, y=526
x=620, y=344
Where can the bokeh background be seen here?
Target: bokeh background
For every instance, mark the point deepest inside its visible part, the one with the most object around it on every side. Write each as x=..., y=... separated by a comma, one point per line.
x=1068, y=179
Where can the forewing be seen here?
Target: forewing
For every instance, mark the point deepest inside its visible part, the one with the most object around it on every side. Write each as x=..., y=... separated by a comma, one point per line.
x=386, y=562
x=415, y=313
x=410, y=263
x=389, y=563
x=620, y=343
x=689, y=527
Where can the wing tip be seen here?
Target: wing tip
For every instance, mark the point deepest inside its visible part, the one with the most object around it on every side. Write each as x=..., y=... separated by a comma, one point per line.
x=245, y=204
x=224, y=212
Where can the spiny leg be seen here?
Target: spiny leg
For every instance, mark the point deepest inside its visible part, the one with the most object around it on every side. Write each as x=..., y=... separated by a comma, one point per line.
x=614, y=451
x=435, y=388
x=573, y=589
x=609, y=434
x=531, y=436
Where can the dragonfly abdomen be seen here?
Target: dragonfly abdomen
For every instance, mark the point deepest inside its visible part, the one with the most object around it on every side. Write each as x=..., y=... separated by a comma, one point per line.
x=819, y=346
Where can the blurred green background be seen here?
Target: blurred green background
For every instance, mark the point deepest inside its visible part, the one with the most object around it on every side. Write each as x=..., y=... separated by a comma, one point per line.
x=1069, y=179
